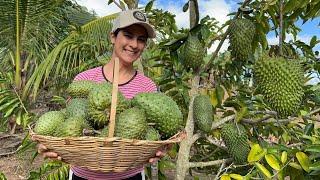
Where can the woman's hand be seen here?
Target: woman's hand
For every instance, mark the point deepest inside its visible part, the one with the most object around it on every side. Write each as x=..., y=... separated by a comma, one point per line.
x=160, y=153
x=47, y=154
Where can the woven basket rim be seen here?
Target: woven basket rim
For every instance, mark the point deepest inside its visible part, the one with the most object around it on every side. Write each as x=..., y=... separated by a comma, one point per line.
x=174, y=139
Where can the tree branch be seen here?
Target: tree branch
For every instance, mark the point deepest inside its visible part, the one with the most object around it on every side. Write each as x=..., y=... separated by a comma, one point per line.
x=217, y=143
x=281, y=28
x=209, y=163
x=115, y=2
x=195, y=137
x=220, y=170
x=251, y=121
x=222, y=121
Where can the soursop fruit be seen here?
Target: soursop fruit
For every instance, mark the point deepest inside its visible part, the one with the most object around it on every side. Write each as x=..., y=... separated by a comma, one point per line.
x=104, y=132
x=131, y=124
x=77, y=107
x=71, y=127
x=242, y=32
x=161, y=110
x=48, y=122
x=202, y=113
x=80, y=88
x=236, y=139
x=193, y=52
x=100, y=103
x=152, y=134
x=281, y=83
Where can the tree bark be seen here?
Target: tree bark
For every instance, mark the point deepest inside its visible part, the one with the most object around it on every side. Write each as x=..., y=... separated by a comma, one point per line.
x=185, y=145
x=194, y=13
x=281, y=28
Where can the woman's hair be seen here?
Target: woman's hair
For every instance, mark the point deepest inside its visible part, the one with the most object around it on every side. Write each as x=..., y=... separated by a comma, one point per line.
x=116, y=32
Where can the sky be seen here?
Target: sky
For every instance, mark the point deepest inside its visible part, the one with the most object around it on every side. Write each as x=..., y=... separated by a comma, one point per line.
x=214, y=8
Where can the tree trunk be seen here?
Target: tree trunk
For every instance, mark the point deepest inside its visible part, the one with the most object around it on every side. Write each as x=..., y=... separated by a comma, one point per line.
x=194, y=13
x=185, y=145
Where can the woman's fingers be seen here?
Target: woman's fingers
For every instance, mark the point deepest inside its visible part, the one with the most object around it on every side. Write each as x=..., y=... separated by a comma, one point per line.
x=51, y=155
x=160, y=153
x=152, y=160
x=42, y=149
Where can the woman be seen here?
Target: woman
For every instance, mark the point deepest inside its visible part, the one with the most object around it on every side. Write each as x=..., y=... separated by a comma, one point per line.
x=129, y=37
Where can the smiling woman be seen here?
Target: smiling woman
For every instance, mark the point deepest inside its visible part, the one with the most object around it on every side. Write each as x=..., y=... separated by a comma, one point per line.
x=129, y=37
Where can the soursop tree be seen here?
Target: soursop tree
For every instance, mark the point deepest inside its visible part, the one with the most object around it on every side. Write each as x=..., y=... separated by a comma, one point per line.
x=262, y=120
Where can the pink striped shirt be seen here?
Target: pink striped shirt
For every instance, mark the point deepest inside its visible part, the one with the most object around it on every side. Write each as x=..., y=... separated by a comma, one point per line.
x=138, y=83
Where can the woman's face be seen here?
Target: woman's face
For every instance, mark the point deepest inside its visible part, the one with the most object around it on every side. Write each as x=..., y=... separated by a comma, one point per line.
x=129, y=43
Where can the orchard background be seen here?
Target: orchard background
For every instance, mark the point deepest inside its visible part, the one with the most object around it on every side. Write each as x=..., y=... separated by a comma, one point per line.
x=45, y=43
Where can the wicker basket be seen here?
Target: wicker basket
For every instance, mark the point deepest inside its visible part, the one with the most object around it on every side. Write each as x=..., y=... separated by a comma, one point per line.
x=112, y=154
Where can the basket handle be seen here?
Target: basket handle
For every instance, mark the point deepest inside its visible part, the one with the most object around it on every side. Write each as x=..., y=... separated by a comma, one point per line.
x=114, y=97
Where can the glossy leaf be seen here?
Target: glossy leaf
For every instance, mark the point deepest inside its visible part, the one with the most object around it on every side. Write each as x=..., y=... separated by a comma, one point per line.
x=256, y=153
x=272, y=161
x=263, y=170
x=303, y=160
x=236, y=176
x=185, y=7
x=295, y=165
x=149, y=6
x=225, y=177
x=284, y=156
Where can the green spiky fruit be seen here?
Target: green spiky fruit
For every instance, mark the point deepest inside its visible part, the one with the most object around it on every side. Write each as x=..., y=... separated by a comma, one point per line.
x=100, y=104
x=281, y=83
x=242, y=32
x=71, y=127
x=64, y=111
x=104, y=132
x=193, y=52
x=131, y=124
x=48, y=122
x=236, y=139
x=77, y=107
x=152, y=134
x=80, y=88
x=202, y=113
x=161, y=110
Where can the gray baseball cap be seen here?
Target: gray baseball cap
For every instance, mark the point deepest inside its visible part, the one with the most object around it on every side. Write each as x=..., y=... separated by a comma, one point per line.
x=130, y=17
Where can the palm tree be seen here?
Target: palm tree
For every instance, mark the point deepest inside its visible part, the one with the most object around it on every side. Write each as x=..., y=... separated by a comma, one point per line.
x=29, y=30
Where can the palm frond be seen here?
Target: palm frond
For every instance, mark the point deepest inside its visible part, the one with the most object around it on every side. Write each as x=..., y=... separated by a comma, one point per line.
x=85, y=43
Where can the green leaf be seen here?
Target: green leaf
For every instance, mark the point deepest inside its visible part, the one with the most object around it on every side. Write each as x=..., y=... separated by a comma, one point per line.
x=256, y=153
x=11, y=109
x=149, y=6
x=185, y=7
x=315, y=166
x=110, y=1
x=308, y=129
x=303, y=160
x=165, y=165
x=313, y=41
x=272, y=161
x=290, y=6
x=263, y=170
x=240, y=114
x=284, y=156
x=2, y=176
x=225, y=177
x=313, y=148
x=6, y=105
x=236, y=176
x=295, y=165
